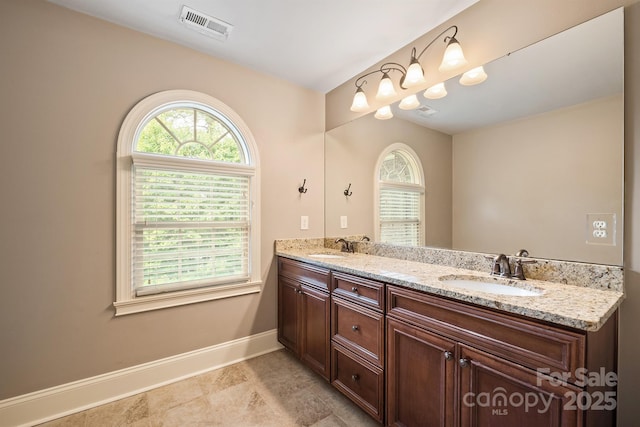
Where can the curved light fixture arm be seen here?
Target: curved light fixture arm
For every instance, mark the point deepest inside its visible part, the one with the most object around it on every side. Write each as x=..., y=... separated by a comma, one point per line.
x=446, y=39
x=385, y=68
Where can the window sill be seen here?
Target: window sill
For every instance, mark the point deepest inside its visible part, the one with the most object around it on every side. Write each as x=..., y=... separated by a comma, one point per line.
x=174, y=299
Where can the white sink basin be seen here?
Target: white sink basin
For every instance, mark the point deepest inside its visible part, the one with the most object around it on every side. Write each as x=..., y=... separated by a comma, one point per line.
x=326, y=256
x=493, y=287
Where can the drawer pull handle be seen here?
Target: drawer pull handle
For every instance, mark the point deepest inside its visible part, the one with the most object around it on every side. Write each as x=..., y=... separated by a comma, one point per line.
x=354, y=328
x=354, y=289
x=448, y=355
x=355, y=377
x=464, y=363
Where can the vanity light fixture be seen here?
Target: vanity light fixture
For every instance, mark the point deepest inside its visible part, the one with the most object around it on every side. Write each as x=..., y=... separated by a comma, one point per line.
x=436, y=91
x=473, y=77
x=453, y=58
x=384, y=113
x=386, y=88
x=360, y=104
x=409, y=103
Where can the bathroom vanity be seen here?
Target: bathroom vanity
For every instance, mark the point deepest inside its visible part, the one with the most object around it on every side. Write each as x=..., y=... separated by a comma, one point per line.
x=411, y=350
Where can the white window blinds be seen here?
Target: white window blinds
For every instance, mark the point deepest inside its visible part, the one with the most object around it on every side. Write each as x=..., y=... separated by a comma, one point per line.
x=190, y=229
x=400, y=215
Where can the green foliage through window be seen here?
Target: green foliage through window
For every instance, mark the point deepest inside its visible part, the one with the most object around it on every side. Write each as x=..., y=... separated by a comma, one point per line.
x=193, y=133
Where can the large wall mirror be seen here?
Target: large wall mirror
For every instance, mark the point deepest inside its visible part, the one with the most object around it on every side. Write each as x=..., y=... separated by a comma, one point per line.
x=531, y=158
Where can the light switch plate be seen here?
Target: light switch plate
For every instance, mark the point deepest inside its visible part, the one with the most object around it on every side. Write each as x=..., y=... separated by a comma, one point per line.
x=343, y=221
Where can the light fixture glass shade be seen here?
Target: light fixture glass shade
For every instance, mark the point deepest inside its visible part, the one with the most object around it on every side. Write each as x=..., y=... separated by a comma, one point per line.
x=384, y=113
x=436, y=91
x=360, y=104
x=415, y=74
x=409, y=103
x=386, y=91
x=453, y=57
x=473, y=76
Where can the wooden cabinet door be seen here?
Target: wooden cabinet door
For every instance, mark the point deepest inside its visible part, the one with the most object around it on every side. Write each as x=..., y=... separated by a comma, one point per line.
x=288, y=314
x=420, y=377
x=495, y=392
x=314, y=324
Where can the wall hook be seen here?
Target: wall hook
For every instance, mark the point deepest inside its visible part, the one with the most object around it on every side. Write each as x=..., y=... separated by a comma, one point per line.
x=301, y=189
x=347, y=192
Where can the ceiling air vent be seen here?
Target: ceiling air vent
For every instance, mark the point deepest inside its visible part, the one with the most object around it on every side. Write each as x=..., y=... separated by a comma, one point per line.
x=425, y=111
x=205, y=24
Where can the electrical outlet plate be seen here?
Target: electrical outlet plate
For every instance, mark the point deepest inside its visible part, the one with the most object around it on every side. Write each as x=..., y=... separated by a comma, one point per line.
x=601, y=229
x=343, y=221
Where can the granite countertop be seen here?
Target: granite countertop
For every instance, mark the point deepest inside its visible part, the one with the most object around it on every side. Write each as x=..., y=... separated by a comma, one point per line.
x=573, y=306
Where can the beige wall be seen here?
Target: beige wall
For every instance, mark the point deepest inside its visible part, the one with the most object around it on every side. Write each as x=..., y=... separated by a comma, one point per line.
x=352, y=151
x=67, y=82
x=530, y=183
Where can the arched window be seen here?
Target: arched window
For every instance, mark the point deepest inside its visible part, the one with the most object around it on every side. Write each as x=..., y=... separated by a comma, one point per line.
x=187, y=223
x=399, y=197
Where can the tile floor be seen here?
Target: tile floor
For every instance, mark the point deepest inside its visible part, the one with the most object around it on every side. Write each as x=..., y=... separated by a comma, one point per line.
x=269, y=390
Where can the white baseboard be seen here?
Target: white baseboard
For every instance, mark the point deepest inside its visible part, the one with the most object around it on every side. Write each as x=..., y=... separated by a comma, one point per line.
x=55, y=402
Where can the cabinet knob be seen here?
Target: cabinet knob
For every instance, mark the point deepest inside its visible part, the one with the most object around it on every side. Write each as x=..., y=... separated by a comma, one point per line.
x=355, y=377
x=448, y=355
x=354, y=289
x=464, y=362
x=354, y=328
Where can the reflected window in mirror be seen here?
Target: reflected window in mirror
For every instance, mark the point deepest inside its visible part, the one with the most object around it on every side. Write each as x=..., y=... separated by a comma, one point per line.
x=399, y=197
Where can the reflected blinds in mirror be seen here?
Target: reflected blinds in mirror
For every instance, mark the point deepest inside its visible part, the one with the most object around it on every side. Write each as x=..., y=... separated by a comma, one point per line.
x=399, y=216
x=400, y=198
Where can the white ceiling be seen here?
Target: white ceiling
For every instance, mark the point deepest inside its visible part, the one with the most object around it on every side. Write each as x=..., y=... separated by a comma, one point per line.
x=318, y=44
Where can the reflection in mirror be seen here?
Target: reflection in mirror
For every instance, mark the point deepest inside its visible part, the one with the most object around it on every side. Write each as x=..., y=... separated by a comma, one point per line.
x=399, y=195
x=526, y=159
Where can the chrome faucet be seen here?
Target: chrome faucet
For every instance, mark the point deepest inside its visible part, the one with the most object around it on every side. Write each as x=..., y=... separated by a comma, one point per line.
x=501, y=266
x=346, y=246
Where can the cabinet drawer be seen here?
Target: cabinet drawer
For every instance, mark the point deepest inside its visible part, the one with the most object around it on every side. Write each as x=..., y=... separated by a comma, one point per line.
x=529, y=343
x=359, y=329
x=358, y=380
x=362, y=291
x=309, y=274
